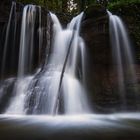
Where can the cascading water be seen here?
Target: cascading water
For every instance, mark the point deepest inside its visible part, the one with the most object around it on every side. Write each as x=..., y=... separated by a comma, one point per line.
x=26, y=51
x=58, y=88
x=6, y=87
x=70, y=99
x=122, y=55
x=40, y=34
x=26, y=40
x=9, y=41
x=17, y=102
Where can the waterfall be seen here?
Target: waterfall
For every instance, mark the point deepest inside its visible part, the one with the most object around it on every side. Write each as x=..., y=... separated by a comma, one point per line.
x=26, y=52
x=9, y=43
x=6, y=87
x=20, y=89
x=122, y=56
x=26, y=40
x=59, y=86
x=40, y=35
x=49, y=97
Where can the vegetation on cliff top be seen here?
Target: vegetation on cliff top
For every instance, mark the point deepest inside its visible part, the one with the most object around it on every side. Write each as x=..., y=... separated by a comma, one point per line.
x=116, y=3
x=75, y=6
x=66, y=6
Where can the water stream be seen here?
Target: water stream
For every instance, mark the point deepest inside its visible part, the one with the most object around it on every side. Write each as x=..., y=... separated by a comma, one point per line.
x=123, y=57
x=9, y=41
x=70, y=98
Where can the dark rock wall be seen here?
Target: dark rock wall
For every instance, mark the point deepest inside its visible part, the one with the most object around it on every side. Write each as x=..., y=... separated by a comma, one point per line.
x=95, y=31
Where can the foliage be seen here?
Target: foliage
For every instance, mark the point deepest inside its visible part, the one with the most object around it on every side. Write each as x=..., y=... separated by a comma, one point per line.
x=66, y=6
x=115, y=3
x=75, y=6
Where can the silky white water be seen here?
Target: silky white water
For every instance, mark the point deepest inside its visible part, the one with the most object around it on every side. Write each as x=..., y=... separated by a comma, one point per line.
x=26, y=40
x=122, y=56
x=70, y=98
x=59, y=87
x=17, y=103
x=7, y=39
x=26, y=50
